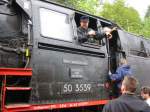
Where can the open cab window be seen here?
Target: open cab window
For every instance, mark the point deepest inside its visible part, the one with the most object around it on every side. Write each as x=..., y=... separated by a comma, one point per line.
x=61, y=26
x=92, y=25
x=55, y=25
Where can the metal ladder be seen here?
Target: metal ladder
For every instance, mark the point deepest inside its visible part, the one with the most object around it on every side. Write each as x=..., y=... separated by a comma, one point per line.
x=12, y=72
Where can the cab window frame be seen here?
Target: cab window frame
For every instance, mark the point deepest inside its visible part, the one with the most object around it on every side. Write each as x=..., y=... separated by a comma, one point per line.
x=56, y=38
x=94, y=19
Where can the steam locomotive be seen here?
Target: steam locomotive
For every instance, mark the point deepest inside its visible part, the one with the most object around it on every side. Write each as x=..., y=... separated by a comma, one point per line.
x=41, y=36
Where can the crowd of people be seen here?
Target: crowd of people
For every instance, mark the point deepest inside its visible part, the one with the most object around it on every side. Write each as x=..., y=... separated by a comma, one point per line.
x=129, y=101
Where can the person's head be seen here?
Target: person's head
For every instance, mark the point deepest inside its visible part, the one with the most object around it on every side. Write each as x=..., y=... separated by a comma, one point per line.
x=84, y=22
x=145, y=92
x=129, y=85
x=123, y=61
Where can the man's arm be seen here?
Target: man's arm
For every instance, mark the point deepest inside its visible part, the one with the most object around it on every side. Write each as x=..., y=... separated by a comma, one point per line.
x=117, y=76
x=106, y=32
x=100, y=35
x=81, y=36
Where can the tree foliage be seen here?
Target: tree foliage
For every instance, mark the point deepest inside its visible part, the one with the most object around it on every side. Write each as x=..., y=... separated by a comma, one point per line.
x=90, y=6
x=127, y=17
x=147, y=13
x=146, y=27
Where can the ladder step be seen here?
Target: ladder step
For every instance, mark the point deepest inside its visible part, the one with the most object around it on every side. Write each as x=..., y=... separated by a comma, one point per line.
x=11, y=106
x=18, y=88
x=15, y=72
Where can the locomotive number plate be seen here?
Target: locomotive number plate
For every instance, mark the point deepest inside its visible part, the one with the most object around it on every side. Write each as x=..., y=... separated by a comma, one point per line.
x=76, y=88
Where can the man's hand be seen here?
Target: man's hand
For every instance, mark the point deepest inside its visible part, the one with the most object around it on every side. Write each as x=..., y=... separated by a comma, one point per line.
x=107, y=29
x=108, y=32
x=108, y=35
x=92, y=33
x=107, y=85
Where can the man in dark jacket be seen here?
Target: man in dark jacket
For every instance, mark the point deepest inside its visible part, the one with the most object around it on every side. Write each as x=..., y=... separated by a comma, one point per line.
x=128, y=101
x=86, y=34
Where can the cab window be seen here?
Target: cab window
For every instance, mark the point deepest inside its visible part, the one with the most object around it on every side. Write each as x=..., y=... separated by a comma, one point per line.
x=55, y=25
x=92, y=25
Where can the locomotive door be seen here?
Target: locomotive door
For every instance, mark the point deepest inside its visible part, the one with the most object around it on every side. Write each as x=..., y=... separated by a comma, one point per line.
x=116, y=52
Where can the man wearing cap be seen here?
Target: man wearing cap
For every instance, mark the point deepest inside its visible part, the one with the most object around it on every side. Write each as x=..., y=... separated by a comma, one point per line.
x=85, y=34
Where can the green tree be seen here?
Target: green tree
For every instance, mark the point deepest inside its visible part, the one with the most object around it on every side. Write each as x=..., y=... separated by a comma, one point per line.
x=147, y=13
x=146, y=24
x=146, y=27
x=90, y=6
x=127, y=17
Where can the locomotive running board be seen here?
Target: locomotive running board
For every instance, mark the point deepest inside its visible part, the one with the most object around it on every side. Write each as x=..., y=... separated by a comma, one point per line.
x=28, y=107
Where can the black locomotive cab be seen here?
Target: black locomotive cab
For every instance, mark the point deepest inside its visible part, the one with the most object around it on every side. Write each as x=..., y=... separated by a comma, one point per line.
x=63, y=67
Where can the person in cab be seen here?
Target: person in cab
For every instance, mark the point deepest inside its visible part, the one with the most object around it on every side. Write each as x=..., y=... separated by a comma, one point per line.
x=86, y=34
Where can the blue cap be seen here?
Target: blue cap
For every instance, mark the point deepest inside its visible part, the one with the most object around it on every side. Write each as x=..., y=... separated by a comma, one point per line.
x=84, y=18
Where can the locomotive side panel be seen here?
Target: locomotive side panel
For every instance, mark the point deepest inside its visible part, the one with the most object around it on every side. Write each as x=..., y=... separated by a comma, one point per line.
x=67, y=77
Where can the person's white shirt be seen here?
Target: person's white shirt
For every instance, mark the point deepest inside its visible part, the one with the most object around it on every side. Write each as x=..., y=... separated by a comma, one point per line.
x=148, y=101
